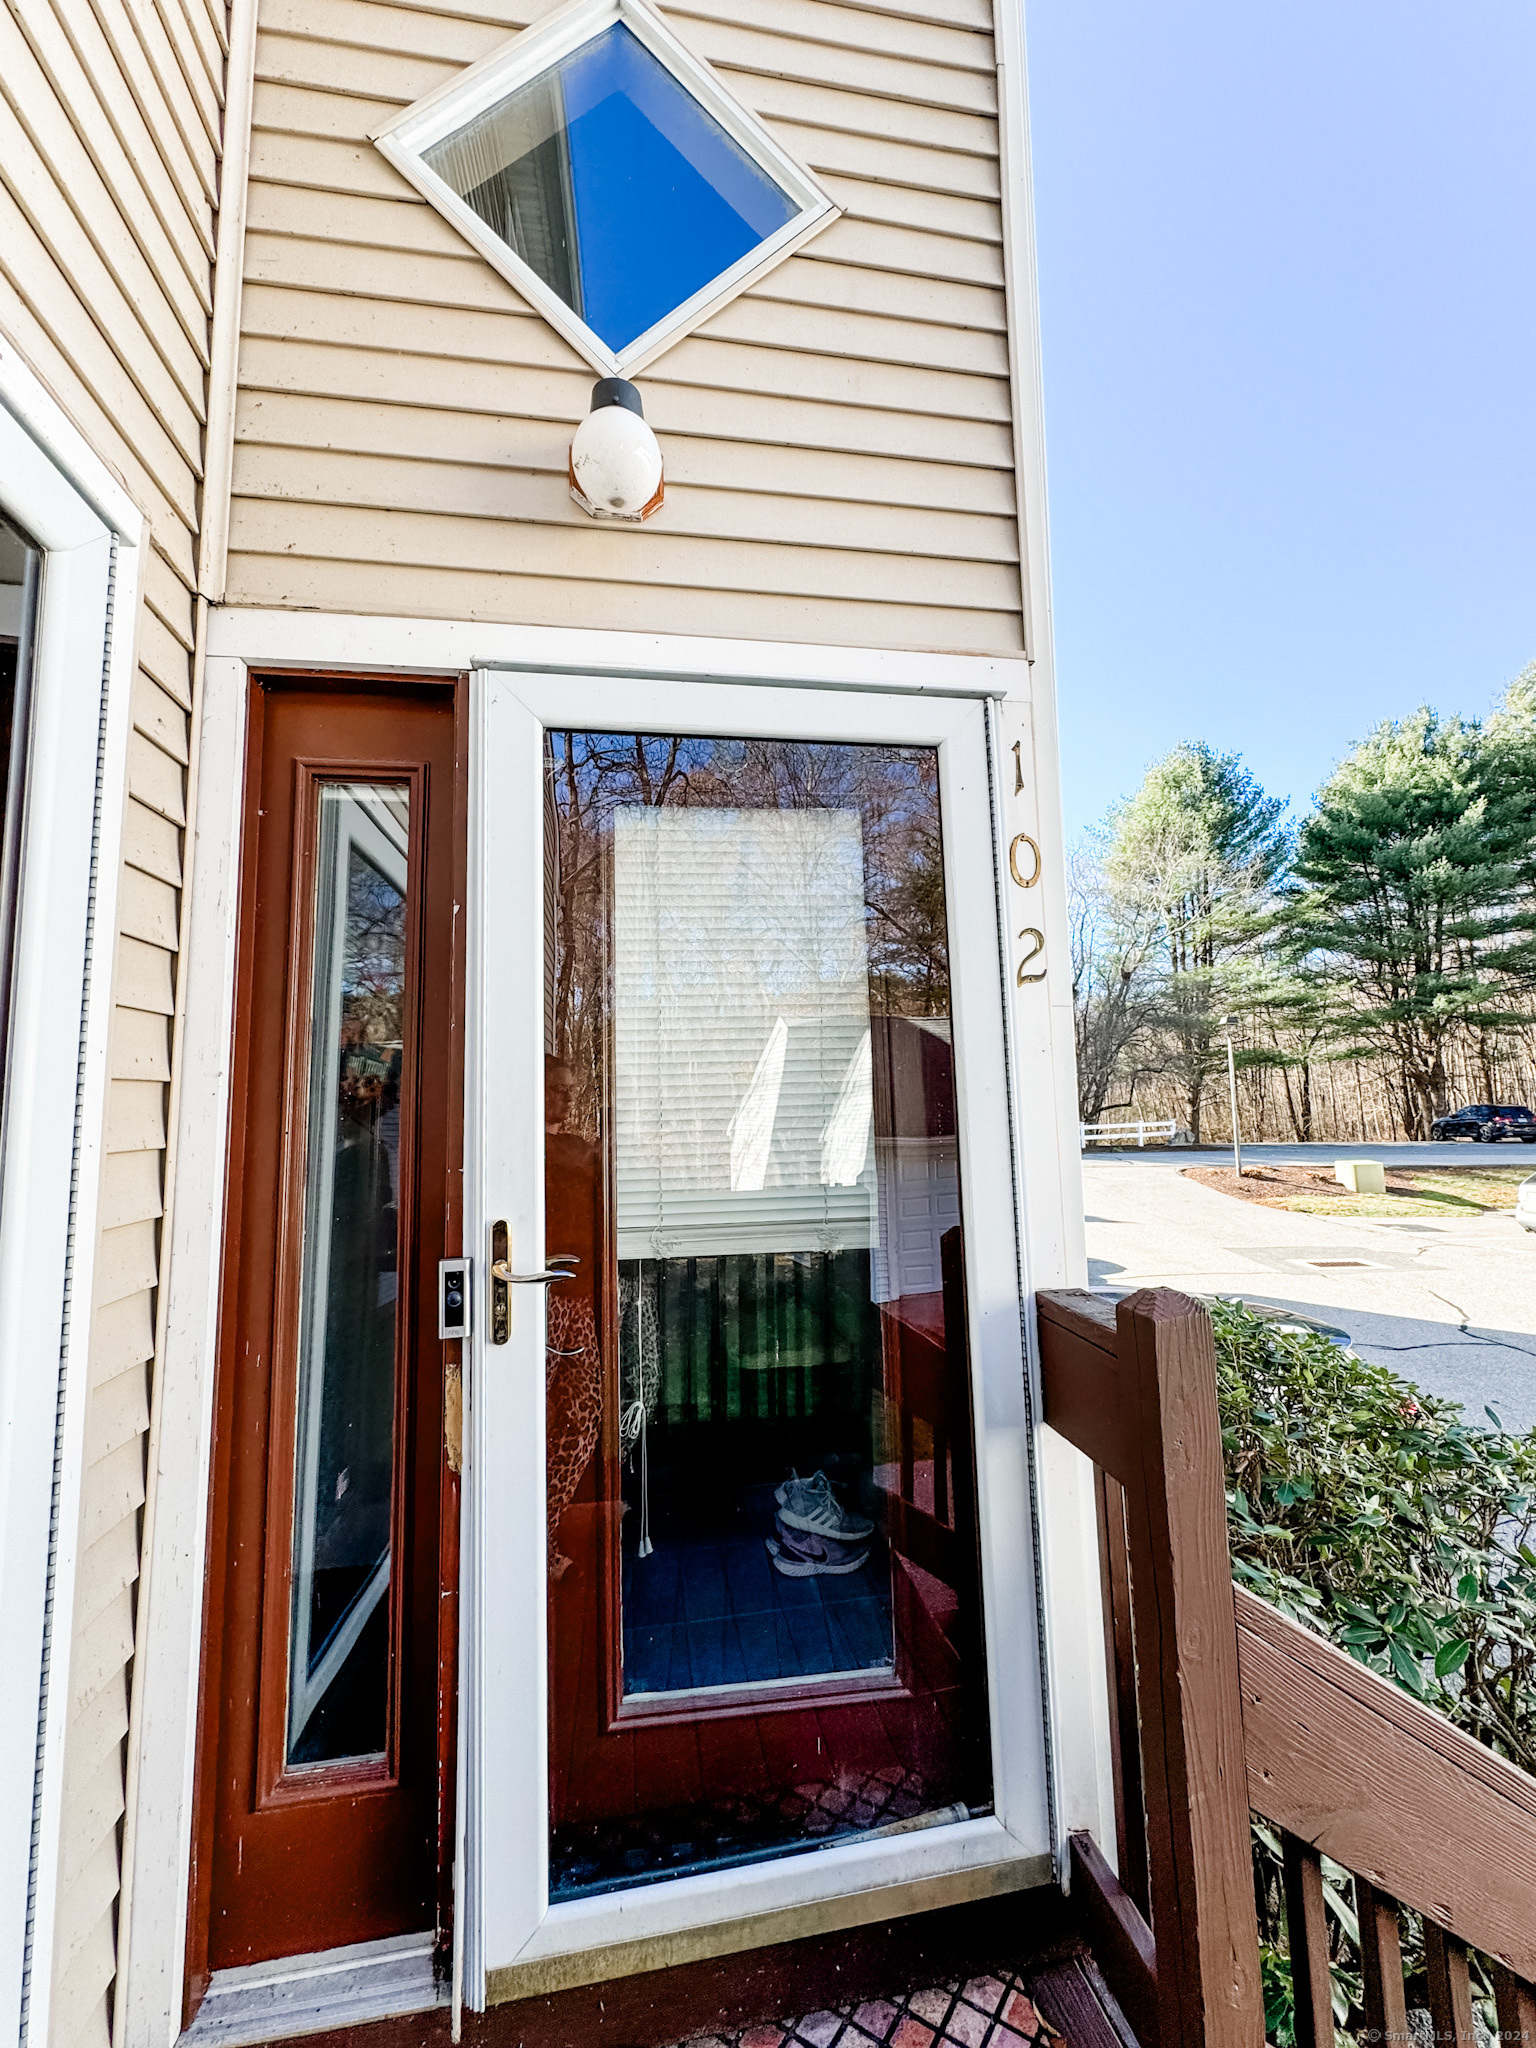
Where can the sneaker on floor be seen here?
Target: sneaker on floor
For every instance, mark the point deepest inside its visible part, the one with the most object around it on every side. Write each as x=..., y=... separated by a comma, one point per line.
x=832, y=1550
x=811, y=1505
x=799, y=1555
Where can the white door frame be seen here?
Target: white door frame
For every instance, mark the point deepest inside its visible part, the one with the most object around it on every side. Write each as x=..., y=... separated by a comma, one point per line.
x=51, y=1147
x=1034, y=1123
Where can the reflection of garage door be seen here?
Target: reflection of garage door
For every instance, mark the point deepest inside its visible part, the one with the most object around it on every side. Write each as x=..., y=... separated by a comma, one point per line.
x=919, y=1199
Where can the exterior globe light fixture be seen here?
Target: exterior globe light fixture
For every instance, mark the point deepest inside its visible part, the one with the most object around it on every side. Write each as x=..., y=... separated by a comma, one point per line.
x=615, y=463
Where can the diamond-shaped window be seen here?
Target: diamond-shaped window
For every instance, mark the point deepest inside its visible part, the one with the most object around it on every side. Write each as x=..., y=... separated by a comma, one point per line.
x=607, y=172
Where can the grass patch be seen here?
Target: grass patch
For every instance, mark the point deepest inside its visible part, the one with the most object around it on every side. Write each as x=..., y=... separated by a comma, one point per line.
x=1446, y=1191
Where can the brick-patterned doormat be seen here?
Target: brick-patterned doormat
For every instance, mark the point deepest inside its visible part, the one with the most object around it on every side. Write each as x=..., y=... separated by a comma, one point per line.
x=981, y=2012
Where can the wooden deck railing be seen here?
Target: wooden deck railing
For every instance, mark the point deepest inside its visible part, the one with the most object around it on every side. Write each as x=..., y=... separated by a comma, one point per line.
x=1221, y=1704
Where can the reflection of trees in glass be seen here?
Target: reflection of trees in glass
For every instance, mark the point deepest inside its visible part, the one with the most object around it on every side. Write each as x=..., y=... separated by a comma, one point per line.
x=894, y=790
x=373, y=962
x=346, y=1397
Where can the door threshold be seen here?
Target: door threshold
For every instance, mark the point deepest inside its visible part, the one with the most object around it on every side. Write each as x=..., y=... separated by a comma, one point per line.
x=338, y=1987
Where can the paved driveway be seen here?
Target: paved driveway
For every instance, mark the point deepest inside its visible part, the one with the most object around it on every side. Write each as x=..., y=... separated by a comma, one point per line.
x=1450, y=1303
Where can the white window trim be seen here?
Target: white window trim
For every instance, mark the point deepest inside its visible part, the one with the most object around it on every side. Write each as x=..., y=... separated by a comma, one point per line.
x=51, y=1154
x=1038, y=1027
x=411, y=646
x=515, y=63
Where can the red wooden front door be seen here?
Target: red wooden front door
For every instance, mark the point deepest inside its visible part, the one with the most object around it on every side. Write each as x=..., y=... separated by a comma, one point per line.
x=325, y=1725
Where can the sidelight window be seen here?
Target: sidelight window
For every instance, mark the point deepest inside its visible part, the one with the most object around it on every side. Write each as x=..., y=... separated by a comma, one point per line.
x=344, y=1479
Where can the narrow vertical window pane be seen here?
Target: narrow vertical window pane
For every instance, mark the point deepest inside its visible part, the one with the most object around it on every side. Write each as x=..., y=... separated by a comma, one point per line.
x=339, y=1655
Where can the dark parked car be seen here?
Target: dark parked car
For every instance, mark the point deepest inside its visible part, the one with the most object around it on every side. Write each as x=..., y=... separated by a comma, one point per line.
x=1486, y=1123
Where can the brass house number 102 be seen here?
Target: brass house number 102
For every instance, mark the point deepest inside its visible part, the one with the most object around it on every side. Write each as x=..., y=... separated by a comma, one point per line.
x=1024, y=867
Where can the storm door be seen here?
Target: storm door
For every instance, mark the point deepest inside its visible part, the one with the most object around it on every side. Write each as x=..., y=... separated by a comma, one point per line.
x=760, y=1559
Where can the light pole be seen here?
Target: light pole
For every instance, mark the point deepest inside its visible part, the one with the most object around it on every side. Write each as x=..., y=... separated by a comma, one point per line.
x=1227, y=1024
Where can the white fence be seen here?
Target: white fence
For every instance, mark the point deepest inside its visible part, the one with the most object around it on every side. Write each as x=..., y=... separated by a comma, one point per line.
x=1122, y=1134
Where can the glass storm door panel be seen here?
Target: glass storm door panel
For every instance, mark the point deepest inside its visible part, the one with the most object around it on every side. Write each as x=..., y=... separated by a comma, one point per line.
x=762, y=1551
x=329, y=1558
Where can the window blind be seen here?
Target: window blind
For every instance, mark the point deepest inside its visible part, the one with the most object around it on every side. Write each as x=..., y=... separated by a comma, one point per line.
x=743, y=1108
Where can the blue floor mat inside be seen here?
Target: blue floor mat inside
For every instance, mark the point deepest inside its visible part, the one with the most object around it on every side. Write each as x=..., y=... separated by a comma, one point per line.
x=701, y=1612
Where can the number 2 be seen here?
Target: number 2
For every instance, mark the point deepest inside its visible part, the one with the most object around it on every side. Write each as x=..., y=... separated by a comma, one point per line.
x=1029, y=932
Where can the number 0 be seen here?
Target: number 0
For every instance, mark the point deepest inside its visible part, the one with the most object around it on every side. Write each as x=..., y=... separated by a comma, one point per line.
x=1024, y=881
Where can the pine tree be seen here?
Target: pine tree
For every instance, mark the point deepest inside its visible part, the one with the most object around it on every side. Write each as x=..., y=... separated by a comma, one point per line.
x=1296, y=1007
x=1199, y=851
x=1414, y=871
x=1509, y=777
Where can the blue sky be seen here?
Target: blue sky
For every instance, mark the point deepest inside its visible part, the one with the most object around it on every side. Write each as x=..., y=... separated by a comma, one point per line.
x=1288, y=286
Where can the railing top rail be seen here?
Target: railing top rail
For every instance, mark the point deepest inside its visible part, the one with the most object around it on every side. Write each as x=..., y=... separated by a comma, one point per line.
x=1081, y=1313
x=1349, y=1762
x=1341, y=1760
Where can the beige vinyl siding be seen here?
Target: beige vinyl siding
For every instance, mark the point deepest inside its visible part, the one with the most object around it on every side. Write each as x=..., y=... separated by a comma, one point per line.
x=109, y=129
x=121, y=1379
x=838, y=439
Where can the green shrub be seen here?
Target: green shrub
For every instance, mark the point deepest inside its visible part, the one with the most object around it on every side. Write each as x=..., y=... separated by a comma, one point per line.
x=1377, y=1515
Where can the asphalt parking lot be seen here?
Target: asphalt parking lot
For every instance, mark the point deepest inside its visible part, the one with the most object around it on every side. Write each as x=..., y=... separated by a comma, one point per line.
x=1447, y=1302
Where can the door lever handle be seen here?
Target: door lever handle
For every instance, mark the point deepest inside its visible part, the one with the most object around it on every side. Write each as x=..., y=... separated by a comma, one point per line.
x=503, y=1279
x=500, y=1271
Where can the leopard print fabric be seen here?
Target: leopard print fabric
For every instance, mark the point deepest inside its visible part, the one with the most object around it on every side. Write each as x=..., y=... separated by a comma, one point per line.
x=573, y=1410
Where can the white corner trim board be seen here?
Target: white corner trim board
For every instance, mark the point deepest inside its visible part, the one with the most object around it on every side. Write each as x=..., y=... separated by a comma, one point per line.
x=228, y=277
x=51, y=1140
x=1041, y=1027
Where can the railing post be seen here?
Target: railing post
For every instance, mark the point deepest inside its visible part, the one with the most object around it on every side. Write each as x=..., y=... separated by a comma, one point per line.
x=1194, y=1772
x=1450, y=1986
x=1516, y=2005
x=1306, y=1923
x=1381, y=1963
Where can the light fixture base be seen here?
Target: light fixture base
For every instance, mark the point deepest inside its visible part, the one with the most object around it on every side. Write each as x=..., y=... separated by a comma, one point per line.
x=606, y=512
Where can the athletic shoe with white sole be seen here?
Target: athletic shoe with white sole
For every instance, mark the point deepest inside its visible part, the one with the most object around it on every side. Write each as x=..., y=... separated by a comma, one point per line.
x=799, y=1555
x=811, y=1505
